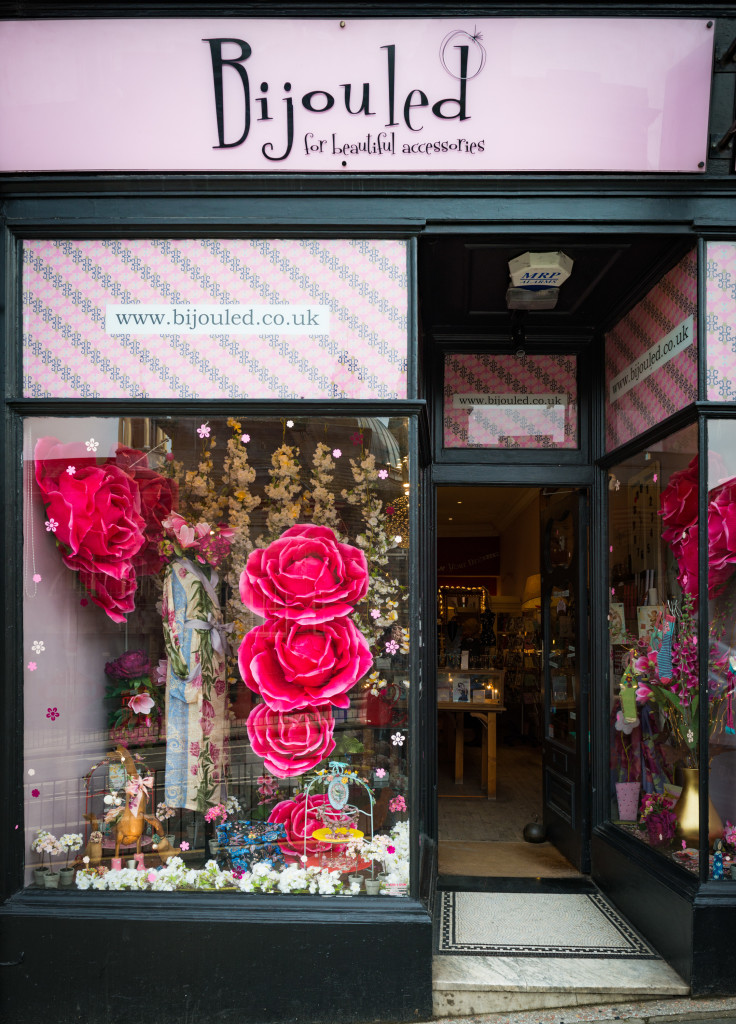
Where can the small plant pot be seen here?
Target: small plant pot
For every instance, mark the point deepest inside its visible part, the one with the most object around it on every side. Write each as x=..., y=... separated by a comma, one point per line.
x=214, y=847
x=39, y=874
x=171, y=839
x=372, y=886
x=67, y=877
x=51, y=880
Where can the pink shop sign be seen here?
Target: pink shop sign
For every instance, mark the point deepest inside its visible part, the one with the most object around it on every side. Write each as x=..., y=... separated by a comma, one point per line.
x=403, y=95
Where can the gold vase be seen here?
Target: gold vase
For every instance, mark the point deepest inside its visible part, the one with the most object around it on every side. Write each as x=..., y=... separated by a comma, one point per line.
x=687, y=810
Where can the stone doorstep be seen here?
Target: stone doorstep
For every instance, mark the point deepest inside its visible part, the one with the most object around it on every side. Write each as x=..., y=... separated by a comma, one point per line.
x=475, y=985
x=473, y=1003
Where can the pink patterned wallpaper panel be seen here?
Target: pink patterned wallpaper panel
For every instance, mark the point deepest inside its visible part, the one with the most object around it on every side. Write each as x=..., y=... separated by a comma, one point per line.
x=720, y=321
x=505, y=401
x=359, y=288
x=635, y=350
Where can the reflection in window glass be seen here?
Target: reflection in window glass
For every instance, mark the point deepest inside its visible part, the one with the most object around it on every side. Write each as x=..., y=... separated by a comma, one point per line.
x=653, y=563
x=216, y=653
x=722, y=666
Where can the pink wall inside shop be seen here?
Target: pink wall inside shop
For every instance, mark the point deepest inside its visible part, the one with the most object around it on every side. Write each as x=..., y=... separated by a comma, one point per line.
x=566, y=94
x=509, y=375
x=68, y=285
x=720, y=312
x=671, y=386
x=69, y=676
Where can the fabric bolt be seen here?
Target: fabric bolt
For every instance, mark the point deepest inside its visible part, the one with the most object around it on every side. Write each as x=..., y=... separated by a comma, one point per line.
x=197, y=728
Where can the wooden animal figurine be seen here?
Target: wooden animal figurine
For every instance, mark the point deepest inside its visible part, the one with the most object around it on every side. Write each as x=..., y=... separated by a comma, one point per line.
x=132, y=821
x=93, y=850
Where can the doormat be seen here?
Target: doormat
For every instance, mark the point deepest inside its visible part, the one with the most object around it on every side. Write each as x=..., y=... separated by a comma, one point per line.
x=536, y=924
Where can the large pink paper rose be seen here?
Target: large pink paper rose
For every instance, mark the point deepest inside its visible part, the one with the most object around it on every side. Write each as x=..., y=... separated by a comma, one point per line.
x=306, y=575
x=159, y=496
x=679, y=506
x=721, y=535
x=291, y=742
x=293, y=665
x=97, y=522
x=299, y=820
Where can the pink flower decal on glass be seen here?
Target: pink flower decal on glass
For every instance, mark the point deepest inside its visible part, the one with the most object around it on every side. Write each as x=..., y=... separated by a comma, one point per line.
x=380, y=773
x=375, y=613
x=37, y=577
x=357, y=437
x=292, y=742
x=52, y=713
x=71, y=470
x=51, y=525
x=92, y=445
x=297, y=665
x=151, y=877
x=35, y=793
x=382, y=473
x=245, y=438
x=32, y=666
x=392, y=647
x=389, y=510
x=397, y=739
x=306, y=575
x=336, y=453
x=184, y=846
x=204, y=430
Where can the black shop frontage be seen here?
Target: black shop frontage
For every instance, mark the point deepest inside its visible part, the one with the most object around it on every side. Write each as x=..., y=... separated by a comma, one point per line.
x=369, y=431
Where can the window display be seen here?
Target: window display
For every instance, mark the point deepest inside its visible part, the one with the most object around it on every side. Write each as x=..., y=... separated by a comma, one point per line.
x=210, y=607
x=653, y=624
x=722, y=614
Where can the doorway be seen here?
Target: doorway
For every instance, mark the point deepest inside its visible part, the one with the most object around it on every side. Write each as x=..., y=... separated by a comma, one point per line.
x=510, y=564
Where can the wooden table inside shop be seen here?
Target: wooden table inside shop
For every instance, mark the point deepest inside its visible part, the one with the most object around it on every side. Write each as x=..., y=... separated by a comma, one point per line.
x=486, y=714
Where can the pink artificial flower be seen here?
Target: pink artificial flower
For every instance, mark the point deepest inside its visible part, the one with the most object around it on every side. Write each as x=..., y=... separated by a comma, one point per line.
x=643, y=693
x=306, y=575
x=186, y=536
x=291, y=743
x=295, y=665
x=158, y=494
x=298, y=824
x=141, y=703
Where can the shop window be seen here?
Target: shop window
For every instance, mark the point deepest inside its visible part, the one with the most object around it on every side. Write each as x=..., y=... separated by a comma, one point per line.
x=505, y=401
x=720, y=282
x=722, y=660
x=214, y=318
x=651, y=356
x=654, y=718
x=216, y=653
